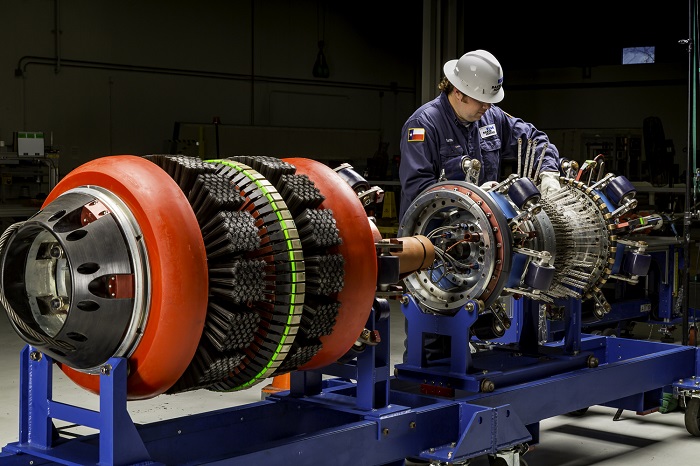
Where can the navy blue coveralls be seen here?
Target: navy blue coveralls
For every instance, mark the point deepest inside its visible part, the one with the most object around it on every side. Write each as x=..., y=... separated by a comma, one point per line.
x=433, y=139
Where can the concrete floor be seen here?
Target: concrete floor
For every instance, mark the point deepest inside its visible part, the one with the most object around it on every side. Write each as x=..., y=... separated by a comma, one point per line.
x=593, y=439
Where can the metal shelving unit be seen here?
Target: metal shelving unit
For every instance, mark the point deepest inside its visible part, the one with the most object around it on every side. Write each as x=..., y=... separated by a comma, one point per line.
x=24, y=183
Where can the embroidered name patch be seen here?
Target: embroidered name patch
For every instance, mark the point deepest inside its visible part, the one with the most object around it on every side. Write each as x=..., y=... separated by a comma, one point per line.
x=487, y=131
x=416, y=134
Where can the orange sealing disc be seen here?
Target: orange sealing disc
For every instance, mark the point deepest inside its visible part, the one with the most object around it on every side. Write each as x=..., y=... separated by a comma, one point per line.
x=177, y=263
x=358, y=251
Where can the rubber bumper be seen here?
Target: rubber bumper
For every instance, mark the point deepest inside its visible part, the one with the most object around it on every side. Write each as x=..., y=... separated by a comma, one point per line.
x=635, y=263
x=619, y=188
x=177, y=263
x=523, y=190
x=539, y=277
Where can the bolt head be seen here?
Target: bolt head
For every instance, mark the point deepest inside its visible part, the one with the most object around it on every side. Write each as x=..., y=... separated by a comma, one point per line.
x=55, y=252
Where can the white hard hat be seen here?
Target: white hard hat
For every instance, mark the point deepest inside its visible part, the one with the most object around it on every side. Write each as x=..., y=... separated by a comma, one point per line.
x=477, y=74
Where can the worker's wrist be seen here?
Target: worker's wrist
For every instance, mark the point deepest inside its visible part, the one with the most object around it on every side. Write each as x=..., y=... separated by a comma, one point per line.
x=546, y=174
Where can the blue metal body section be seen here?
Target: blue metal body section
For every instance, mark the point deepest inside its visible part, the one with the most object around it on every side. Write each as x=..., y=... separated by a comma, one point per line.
x=454, y=327
x=517, y=268
x=605, y=199
x=467, y=371
x=619, y=254
x=504, y=204
x=668, y=262
x=362, y=415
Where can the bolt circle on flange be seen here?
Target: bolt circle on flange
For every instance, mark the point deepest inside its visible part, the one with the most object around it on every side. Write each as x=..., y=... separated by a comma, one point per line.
x=473, y=246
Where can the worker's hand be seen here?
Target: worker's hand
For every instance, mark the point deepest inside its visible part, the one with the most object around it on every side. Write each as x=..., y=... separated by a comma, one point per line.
x=549, y=183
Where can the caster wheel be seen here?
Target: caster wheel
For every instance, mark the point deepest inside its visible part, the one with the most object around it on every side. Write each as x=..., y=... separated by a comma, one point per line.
x=692, y=416
x=497, y=461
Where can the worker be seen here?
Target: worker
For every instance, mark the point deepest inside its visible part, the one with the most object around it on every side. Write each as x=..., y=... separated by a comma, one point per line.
x=464, y=122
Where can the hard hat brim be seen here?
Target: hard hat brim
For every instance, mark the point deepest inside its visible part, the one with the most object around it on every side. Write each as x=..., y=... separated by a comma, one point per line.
x=449, y=70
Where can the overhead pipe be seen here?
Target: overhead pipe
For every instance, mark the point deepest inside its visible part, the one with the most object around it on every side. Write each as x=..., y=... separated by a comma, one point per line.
x=24, y=62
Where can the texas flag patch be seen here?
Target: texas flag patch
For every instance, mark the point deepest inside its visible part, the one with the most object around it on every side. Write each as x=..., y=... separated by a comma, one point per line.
x=416, y=134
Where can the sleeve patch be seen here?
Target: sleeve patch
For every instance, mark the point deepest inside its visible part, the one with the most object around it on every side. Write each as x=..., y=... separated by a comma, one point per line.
x=416, y=134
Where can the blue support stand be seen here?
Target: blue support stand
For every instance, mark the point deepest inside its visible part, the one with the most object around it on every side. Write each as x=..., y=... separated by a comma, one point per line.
x=572, y=324
x=473, y=372
x=362, y=415
x=119, y=442
x=370, y=369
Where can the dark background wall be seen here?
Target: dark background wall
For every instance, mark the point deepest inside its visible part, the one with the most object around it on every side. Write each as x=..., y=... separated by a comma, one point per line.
x=132, y=76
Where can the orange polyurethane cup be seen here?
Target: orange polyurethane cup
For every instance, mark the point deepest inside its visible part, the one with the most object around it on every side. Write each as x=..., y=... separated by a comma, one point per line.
x=177, y=263
x=359, y=253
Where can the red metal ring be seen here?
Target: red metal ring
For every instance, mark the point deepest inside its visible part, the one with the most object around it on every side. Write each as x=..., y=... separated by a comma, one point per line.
x=174, y=245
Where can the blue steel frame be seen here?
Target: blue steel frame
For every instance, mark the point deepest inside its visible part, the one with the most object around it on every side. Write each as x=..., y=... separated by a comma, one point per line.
x=362, y=415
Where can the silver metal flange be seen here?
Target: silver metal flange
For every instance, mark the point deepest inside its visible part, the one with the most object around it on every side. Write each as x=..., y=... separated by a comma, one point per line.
x=472, y=241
